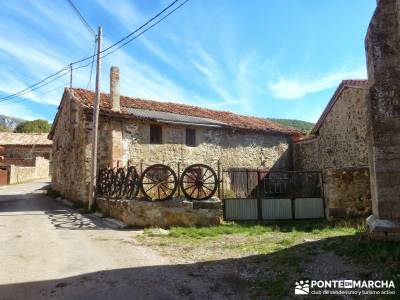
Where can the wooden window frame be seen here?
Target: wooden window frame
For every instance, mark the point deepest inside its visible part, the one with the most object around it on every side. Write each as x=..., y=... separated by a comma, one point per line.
x=156, y=129
x=189, y=131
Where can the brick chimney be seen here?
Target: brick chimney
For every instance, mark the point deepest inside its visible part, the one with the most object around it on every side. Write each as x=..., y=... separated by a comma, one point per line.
x=114, y=89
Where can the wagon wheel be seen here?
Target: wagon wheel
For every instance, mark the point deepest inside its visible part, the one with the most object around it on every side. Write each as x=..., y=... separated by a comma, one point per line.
x=199, y=182
x=158, y=182
x=131, y=183
x=102, y=181
x=118, y=182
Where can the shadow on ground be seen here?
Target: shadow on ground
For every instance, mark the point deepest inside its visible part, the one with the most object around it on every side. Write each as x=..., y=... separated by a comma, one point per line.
x=269, y=276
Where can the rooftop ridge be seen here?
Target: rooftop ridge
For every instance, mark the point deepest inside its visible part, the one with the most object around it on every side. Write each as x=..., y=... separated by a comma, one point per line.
x=230, y=118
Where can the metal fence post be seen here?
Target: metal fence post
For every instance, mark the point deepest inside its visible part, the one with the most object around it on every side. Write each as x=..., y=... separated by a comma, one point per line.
x=292, y=194
x=219, y=179
x=321, y=180
x=259, y=196
x=179, y=176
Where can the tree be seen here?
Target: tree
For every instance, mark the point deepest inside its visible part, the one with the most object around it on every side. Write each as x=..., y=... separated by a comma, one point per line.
x=35, y=126
x=4, y=128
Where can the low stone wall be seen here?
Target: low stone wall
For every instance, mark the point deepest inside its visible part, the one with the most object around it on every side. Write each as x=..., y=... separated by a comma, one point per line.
x=20, y=174
x=164, y=214
x=347, y=192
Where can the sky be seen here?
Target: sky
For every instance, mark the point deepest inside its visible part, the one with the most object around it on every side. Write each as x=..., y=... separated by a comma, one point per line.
x=267, y=58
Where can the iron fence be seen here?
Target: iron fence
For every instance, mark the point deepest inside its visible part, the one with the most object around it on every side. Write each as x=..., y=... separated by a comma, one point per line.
x=261, y=194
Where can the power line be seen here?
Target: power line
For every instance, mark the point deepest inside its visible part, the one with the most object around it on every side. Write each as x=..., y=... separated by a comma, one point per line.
x=143, y=31
x=67, y=67
x=91, y=67
x=75, y=9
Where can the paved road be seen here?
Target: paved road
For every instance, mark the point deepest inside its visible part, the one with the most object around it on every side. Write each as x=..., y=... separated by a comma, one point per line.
x=49, y=251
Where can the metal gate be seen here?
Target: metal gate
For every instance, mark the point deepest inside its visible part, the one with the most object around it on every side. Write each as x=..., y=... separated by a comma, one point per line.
x=271, y=195
x=3, y=176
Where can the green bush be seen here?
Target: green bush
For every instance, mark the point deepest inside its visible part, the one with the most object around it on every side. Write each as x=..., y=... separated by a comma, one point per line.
x=35, y=126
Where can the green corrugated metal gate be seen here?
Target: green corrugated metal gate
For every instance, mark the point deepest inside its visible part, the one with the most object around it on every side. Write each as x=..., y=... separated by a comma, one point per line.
x=264, y=195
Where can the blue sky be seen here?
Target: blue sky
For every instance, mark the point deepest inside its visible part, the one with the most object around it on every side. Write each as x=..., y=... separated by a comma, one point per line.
x=267, y=58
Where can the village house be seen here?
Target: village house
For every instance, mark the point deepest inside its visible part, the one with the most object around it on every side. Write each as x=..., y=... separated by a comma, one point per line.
x=24, y=157
x=138, y=131
x=338, y=147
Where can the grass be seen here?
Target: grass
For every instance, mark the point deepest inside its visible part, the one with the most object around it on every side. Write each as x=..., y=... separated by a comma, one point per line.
x=317, y=228
x=280, y=252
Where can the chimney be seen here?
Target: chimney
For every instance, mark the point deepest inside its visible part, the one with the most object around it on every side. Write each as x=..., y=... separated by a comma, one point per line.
x=114, y=89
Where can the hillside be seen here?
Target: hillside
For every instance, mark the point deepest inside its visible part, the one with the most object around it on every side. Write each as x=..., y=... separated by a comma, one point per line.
x=9, y=122
x=303, y=126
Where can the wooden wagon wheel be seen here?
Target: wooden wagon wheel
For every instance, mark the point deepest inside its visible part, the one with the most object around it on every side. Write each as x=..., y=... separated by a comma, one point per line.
x=158, y=182
x=199, y=182
x=131, y=183
x=102, y=179
x=118, y=182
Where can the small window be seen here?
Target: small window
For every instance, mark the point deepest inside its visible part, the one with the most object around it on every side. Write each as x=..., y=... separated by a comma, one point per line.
x=155, y=134
x=190, y=137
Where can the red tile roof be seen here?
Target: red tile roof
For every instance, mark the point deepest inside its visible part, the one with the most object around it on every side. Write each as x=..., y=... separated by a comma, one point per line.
x=360, y=83
x=86, y=97
x=10, y=138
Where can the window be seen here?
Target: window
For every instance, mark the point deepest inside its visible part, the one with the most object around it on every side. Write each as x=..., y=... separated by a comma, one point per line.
x=155, y=134
x=190, y=137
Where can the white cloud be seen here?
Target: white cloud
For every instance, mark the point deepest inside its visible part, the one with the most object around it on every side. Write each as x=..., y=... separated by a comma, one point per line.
x=232, y=85
x=287, y=88
x=18, y=110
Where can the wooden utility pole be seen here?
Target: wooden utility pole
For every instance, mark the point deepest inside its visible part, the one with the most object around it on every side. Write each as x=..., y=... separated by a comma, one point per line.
x=70, y=77
x=92, y=186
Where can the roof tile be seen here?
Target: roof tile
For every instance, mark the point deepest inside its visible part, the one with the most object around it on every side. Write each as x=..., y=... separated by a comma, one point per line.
x=234, y=120
x=10, y=138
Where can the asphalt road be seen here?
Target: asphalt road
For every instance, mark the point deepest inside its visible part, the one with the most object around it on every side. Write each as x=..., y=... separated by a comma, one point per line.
x=49, y=251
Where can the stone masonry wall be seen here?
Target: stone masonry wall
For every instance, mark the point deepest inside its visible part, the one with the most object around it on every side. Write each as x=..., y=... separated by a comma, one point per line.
x=26, y=152
x=382, y=46
x=342, y=139
x=20, y=174
x=71, y=152
x=129, y=140
x=347, y=192
x=234, y=149
x=175, y=212
x=340, y=151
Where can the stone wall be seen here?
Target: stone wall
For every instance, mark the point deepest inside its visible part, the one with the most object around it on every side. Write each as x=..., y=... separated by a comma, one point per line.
x=71, y=151
x=341, y=141
x=340, y=150
x=382, y=45
x=122, y=139
x=232, y=148
x=26, y=151
x=19, y=174
x=347, y=192
x=176, y=212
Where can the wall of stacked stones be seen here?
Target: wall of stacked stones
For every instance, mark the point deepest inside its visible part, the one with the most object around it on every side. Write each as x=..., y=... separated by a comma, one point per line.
x=26, y=151
x=340, y=150
x=129, y=140
x=232, y=148
x=347, y=192
x=71, y=152
x=342, y=138
x=19, y=174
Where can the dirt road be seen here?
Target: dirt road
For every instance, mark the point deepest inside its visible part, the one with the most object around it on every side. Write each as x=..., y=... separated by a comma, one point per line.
x=50, y=251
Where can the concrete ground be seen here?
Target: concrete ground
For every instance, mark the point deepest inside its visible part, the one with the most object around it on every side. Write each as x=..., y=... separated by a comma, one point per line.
x=50, y=251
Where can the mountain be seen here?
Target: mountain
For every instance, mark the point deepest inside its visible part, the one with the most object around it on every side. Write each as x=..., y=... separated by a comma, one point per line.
x=298, y=124
x=9, y=122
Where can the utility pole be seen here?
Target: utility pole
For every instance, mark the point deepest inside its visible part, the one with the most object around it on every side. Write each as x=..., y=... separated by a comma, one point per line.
x=95, y=122
x=70, y=77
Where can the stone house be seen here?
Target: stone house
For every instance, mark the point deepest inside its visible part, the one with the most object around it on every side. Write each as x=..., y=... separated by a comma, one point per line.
x=24, y=156
x=144, y=131
x=338, y=146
